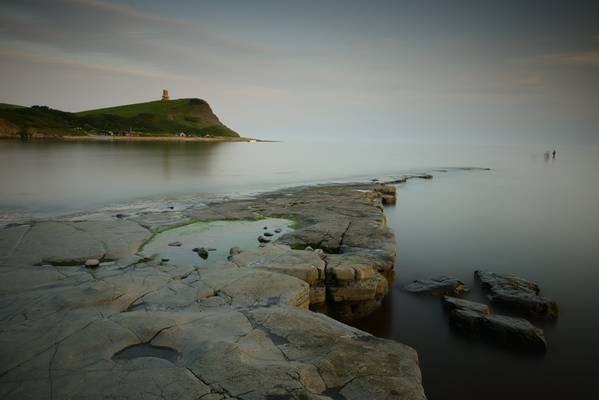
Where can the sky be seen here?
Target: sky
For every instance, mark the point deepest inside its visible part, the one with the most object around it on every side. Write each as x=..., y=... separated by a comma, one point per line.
x=390, y=71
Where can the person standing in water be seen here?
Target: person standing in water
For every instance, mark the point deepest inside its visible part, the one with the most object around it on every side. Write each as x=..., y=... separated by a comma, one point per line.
x=553, y=154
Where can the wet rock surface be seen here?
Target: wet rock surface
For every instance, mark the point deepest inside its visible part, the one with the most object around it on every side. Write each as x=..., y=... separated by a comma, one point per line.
x=225, y=330
x=476, y=319
x=440, y=286
x=516, y=333
x=516, y=293
x=453, y=303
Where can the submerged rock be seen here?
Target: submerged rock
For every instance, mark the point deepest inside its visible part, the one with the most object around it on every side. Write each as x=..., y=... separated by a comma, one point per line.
x=453, y=303
x=278, y=230
x=516, y=293
x=513, y=332
x=175, y=244
x=440, y=286
x=234, y=251
x=268, y=234
x=263, y=239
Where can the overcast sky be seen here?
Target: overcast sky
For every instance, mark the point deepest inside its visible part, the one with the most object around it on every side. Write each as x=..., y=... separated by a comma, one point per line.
x=416, y=71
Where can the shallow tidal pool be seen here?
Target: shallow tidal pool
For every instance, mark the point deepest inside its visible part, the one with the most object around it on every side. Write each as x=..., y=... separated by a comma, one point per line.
x=215, y=236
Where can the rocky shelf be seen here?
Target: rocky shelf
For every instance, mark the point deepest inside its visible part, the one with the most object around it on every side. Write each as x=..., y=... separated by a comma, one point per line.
x=129, y=326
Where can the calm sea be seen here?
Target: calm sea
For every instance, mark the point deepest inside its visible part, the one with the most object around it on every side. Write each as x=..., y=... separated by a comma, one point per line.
x=534, y=217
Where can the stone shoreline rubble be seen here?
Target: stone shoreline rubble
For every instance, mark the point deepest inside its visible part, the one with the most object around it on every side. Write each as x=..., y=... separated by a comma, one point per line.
x=127, y=326
x=476, y=319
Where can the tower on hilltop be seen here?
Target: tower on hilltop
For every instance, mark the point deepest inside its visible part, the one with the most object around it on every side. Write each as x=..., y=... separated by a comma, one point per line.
x=165, y=96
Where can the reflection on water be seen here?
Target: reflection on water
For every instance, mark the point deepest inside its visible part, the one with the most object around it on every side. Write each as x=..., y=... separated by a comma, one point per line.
x=60, y=177
x=535, y=219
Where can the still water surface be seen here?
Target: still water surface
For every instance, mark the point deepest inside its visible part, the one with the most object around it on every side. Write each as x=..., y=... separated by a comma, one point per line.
x=530, y=216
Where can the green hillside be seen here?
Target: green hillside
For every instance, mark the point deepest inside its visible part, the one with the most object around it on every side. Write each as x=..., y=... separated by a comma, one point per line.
x=156, y=118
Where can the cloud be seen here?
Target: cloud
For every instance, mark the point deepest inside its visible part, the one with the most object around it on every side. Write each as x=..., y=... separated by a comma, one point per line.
x=91, y=26
x=18, y=56
x=580, y=58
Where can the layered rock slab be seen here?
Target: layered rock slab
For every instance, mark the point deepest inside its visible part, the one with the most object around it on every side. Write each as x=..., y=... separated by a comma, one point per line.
x=235, y=333
x=443, y=285
x=517, y=293
x=476, y=319
x=228, y=331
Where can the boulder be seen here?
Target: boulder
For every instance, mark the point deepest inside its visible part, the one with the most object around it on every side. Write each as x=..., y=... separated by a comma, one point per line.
x=513, y=332
x=440, y=286
x=516, y=293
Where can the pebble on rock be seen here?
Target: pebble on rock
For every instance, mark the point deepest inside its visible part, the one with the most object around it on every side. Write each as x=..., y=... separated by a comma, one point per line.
x=92, y=263
x=234, y=251
x=263, y=239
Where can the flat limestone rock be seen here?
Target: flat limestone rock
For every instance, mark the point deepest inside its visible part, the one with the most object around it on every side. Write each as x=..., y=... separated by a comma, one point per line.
x=134, y=328
x=509, y=331
x=188, y=333
x=73, y=243
x=440, y=286
x=304, y=265
x=517, y=293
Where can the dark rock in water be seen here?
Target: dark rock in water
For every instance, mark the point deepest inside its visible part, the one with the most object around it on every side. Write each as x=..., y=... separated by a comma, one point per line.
x=175, y=244
x=266, y=227
x=120, y=215
x=234, y=251
x=164, y=260
x=440, y=286
x=268, y=234
x=263, y=239
x=453, y=303
x=211, y=249
x=425, y=176
x=202, y=252
x=517, y=293
x=513, y=332
x=278, y=230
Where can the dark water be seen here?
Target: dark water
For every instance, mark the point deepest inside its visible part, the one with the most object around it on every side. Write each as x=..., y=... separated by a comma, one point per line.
x=536, y=218
x=533, y=218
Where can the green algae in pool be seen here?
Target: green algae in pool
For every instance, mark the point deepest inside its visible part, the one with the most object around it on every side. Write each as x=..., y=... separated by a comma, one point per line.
x=217, y=235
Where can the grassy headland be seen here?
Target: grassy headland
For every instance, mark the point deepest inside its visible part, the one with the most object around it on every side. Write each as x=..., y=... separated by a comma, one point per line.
x=192, y=117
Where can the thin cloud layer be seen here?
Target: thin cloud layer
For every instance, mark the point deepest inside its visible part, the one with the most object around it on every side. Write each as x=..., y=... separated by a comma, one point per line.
x=410, y=70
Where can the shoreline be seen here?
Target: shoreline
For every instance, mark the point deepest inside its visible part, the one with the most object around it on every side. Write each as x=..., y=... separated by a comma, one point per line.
x=248, y=303
x=98, y=138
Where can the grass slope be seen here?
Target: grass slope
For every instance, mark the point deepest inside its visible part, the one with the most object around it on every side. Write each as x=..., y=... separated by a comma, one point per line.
x=155, y=118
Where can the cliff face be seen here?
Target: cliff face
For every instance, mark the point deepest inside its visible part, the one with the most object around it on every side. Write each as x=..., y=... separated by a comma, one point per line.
x=194, y=117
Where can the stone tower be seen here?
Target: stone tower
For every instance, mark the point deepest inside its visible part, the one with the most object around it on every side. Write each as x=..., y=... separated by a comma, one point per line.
x=165, y=96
